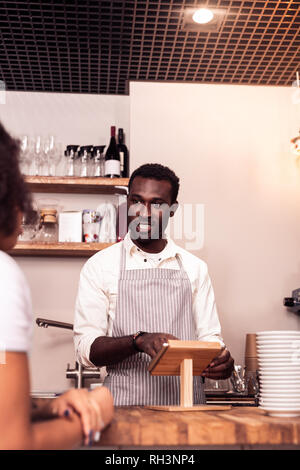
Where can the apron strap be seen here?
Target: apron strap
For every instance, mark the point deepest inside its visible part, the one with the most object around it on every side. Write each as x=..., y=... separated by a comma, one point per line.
x=123, y=260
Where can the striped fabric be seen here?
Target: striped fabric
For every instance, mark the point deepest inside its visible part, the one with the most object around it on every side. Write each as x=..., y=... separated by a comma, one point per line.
x=156, y=301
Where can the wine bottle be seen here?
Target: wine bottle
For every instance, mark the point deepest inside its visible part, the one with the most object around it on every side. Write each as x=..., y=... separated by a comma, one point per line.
x=124, y=158
x=112, y=156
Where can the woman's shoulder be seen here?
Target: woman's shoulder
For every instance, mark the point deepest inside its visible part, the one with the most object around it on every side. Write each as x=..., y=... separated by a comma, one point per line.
x=8, y=266
x=12, y=275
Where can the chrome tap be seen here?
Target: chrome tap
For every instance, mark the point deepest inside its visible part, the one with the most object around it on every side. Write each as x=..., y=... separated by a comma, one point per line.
x=79, y=373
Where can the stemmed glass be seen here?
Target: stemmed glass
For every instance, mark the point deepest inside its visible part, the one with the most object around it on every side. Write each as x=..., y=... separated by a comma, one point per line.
x=24, y=155
x=37, y=154
x=47, y=145
x=54, y=156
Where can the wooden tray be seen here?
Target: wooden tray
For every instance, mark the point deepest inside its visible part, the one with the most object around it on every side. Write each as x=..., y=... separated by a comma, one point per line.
x=168, y=359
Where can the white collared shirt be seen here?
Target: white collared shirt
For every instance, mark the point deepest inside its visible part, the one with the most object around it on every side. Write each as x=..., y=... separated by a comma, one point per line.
x=98, y=289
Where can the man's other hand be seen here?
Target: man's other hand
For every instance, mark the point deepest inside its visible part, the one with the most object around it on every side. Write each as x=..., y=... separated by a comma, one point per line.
x=151, y=343
x=221, y=367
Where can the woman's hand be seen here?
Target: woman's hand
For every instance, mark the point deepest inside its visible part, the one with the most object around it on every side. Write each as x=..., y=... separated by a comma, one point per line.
x=88, y=405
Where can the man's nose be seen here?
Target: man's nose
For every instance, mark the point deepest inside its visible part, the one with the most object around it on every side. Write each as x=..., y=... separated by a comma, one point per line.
x=145, y=210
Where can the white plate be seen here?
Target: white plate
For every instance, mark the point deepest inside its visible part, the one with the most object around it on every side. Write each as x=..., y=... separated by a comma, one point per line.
x=280, y=399
x=277, y=347
x=274, y=389
x=278, y=332
x=280, y=381
x=290, y=351
x=285, y=361
x=273, y=373
x=280, y=413
x=281, y=406
x=273, y=394
x=288, y=364
x=275, y=355
x=280, y=384
x=271, y=339
x=289, y=343
x=284, y=340
x=279, y=365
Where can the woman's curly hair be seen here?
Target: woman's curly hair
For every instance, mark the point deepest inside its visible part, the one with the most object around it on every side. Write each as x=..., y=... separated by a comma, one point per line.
x=13, y=190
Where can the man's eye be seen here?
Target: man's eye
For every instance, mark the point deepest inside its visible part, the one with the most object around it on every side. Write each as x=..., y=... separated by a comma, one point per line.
x=157, y=205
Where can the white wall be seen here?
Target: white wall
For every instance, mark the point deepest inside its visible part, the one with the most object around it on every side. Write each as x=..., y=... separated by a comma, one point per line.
x=230, y=147
x=79, y=119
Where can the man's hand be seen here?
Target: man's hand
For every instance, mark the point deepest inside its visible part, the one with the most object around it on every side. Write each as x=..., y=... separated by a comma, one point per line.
x=151, y=343
x=221, y=367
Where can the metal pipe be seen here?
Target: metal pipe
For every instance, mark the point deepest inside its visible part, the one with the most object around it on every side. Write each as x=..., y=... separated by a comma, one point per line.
x=44, y=323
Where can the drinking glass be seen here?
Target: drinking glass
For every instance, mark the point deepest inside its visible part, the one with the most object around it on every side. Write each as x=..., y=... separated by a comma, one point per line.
x=238, y=380
x=37, y=155
x=46, y=150
x=54, y=157
x=24, y=155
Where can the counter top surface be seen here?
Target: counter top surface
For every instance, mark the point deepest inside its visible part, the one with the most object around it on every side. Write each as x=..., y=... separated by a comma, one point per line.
x=142, y=427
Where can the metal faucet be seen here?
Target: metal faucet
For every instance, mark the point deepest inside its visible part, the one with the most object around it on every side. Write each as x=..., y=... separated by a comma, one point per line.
x=79, y=373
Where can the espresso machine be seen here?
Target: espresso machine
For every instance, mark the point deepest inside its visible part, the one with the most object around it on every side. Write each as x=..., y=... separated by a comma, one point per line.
x=293, y=303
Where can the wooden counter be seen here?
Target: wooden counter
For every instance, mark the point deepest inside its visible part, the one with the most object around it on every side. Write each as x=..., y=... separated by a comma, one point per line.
x=243, y=427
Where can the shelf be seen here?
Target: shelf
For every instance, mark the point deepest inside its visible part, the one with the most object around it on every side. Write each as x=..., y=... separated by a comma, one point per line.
x=64, y=184
x=57, y=249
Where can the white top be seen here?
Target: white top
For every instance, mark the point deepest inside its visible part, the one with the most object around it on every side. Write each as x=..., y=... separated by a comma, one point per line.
x=15, y=307
x=98, y=288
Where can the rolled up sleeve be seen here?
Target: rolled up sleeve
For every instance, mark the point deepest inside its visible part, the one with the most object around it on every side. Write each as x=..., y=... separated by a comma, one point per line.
x=205, y=311
x=91, y=313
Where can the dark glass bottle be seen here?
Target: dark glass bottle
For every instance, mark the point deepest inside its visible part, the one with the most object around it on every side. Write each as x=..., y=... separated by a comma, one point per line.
x=112, y=156
x=124, y=157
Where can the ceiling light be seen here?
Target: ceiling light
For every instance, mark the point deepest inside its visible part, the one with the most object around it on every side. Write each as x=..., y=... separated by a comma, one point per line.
x=203, y=15
x=202, y=19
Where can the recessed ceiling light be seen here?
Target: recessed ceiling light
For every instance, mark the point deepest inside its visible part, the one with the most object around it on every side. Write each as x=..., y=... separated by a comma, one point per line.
x=203, y=15
x=207, y=19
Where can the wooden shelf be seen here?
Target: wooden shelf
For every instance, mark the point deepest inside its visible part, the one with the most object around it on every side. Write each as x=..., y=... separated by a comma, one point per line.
x=64, y=184
x=57, y=249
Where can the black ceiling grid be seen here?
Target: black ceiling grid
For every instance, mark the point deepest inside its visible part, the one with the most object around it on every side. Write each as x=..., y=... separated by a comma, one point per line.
x=89, y=46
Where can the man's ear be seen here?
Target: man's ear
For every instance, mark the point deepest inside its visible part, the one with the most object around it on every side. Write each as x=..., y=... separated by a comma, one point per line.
x=173, y=208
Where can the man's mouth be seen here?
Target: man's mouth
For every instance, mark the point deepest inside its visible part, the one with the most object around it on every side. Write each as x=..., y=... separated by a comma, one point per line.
x=144, y=228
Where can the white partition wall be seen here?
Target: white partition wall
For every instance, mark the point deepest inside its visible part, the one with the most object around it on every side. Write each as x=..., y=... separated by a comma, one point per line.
x=230, y=146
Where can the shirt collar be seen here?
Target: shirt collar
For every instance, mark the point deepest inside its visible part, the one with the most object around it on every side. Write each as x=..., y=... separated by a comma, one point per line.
x=170, y=250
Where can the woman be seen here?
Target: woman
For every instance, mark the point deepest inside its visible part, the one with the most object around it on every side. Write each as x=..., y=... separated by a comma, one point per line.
x=76, y=416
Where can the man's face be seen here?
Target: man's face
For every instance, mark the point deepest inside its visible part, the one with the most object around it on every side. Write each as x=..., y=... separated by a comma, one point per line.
x=148, y=208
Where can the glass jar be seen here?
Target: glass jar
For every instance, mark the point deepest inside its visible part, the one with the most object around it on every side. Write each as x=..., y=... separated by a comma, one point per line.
x=71, y=154
x=84, y=160
x=98, y=162
x=48, y=226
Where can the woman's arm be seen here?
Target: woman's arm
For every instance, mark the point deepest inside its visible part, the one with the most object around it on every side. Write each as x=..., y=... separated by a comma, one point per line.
x=16, y=429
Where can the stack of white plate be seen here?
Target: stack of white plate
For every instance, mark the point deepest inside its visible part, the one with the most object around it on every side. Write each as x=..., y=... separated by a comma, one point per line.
x=278, y=355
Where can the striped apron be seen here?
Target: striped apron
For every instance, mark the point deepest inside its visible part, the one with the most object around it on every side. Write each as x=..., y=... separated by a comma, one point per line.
x=154, y=300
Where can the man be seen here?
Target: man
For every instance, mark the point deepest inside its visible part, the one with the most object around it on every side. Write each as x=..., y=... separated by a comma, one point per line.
x=137, y=294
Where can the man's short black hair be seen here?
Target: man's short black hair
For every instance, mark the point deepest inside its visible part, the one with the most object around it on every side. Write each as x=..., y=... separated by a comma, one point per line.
x=13, y=190
x=157, y=172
